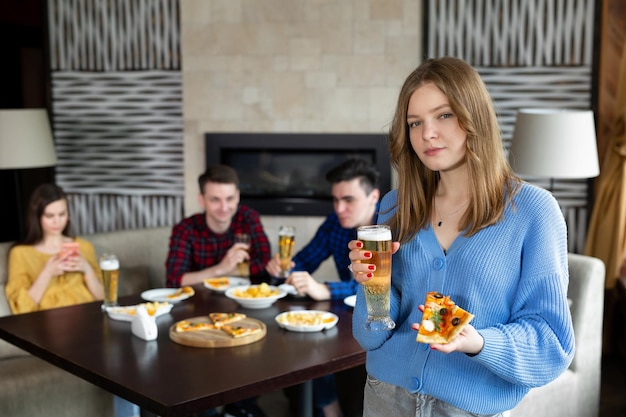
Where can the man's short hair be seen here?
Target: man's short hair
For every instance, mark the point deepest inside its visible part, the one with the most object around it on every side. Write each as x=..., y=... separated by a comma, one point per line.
x=221, y=174
x=369, y=177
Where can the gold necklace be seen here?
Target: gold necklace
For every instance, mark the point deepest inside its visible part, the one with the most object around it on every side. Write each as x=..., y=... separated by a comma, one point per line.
x=441, y=220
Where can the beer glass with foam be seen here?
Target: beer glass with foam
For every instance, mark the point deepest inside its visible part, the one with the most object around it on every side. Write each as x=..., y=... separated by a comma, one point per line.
x=110, y=267
x=377, y=240
x=286, y=236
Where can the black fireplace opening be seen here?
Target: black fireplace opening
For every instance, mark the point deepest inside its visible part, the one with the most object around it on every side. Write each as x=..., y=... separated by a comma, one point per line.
x=285, y=173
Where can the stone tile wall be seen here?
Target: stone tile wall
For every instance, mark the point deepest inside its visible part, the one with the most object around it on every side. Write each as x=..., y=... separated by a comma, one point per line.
x=292, y=66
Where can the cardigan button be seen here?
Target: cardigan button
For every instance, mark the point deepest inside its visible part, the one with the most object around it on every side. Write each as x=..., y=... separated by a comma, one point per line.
x=438, y=263
x=418, y=383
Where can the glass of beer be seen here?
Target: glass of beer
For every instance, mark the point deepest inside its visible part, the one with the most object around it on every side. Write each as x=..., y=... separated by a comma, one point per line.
x=110, y=267
x=286, y=241
x=377, y=240
x=243, y=268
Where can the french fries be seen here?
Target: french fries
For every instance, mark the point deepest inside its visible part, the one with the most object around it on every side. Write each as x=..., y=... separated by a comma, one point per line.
x=256, y=291
x=296, y=318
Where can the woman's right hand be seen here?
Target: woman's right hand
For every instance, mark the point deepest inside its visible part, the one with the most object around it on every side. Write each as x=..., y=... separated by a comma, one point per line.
x=363, y=271
x=56, y=265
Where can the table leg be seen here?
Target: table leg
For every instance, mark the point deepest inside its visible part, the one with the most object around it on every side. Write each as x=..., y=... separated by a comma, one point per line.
x=305, y=396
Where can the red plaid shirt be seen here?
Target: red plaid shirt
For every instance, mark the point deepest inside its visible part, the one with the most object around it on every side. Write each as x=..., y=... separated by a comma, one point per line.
x=193, y=246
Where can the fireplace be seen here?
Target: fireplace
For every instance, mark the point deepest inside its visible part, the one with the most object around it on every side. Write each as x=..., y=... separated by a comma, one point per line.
x=285, y=173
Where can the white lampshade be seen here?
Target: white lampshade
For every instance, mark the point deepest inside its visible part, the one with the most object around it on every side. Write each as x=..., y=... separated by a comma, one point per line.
x=26, y=139
x=554, y=143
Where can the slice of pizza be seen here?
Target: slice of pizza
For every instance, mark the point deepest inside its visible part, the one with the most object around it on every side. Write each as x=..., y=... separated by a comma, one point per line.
x=220, y=283
x=442, y=319
x=182, y=291
x=187, y=326
x=239, y=331
x=221, y=319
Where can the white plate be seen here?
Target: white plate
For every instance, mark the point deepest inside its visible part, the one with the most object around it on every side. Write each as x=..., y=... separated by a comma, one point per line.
x=255, y=302
x=319, y=320
x=232, y=282
x=161, y=294
x=350, y=301
x=127, y=313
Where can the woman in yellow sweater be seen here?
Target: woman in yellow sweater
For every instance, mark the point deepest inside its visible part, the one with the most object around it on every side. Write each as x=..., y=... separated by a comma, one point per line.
x=41, y=276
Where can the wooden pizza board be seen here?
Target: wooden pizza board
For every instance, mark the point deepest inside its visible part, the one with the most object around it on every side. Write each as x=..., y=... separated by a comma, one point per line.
x=216, y=338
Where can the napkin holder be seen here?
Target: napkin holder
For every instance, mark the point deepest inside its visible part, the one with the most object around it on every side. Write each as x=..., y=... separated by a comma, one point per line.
x=143, y=325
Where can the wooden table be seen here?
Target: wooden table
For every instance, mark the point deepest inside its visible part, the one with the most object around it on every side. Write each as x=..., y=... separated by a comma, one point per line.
x=171, y=379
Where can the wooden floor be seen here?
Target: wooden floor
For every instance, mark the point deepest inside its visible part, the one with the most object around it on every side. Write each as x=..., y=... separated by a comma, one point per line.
x=612, y=397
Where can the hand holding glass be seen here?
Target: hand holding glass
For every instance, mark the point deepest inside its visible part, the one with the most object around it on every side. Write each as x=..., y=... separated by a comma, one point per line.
x=286, y=236
x=377, y=240
x=110, y=266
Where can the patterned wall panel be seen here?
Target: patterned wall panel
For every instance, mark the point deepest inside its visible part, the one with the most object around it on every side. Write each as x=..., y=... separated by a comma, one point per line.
x=530, y=53
x=117, y=111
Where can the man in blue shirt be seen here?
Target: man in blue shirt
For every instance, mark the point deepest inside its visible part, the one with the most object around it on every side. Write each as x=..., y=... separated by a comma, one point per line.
x=355, y=191
x=355, y=201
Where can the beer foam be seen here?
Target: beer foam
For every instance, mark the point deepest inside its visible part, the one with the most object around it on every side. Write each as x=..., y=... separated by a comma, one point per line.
x=377, y=234
x=109, y=264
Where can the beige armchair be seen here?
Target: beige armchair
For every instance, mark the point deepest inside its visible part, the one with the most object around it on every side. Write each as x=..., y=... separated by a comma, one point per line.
x=576, y=393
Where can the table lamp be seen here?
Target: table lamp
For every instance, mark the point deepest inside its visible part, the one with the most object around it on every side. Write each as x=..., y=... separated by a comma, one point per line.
x=26, y=139
x=554, y=143
x=25, y=143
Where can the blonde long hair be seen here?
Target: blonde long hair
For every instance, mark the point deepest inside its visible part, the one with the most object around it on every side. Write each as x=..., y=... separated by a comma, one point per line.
x=492, y=182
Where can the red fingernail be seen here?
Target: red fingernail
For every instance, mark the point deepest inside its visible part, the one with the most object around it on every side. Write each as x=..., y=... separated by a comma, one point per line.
x=371, y=267
x=369, y=275
x=359, y=244
x=368, y=254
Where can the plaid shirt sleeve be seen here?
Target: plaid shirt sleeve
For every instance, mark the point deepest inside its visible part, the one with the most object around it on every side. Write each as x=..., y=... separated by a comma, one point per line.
x=342, y=289
x=179, y=257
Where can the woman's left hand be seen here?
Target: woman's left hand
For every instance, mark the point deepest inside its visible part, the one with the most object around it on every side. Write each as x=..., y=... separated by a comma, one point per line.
x=468, y=341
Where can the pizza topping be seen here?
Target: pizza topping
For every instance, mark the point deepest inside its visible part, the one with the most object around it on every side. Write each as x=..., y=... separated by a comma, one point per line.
x=181, y=292
x=240, y=331
x=442, y=319
x=428, y=325
x=187, y=326
x=218, y=283
x=220, y=319
x=221, y=322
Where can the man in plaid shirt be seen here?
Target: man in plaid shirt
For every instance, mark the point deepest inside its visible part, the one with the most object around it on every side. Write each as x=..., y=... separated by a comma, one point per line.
x=355, y=201
x=203, y=245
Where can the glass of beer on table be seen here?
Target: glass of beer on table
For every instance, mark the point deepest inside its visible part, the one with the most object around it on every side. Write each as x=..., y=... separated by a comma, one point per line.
x=377, y=240
x=286, y=236
x=243, y=267
x=110, y=267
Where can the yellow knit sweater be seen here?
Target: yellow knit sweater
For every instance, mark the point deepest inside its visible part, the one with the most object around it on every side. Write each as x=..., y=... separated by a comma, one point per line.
x=25, y=264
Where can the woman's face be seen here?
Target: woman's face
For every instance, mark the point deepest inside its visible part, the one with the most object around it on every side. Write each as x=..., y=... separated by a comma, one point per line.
x=54, y=218
x=434, y=130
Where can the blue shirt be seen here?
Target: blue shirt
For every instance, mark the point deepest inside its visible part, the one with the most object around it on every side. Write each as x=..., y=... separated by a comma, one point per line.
x=512, y=276
x=330, y=240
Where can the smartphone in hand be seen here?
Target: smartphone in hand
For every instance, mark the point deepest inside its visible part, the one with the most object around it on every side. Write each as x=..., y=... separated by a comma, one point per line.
x=69, y=249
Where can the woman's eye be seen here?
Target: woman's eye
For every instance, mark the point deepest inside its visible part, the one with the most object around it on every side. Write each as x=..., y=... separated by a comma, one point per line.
x=446, y=115
x=414, y=124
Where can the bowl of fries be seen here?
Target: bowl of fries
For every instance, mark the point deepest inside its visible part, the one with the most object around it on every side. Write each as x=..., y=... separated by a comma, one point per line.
x=255, y=296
